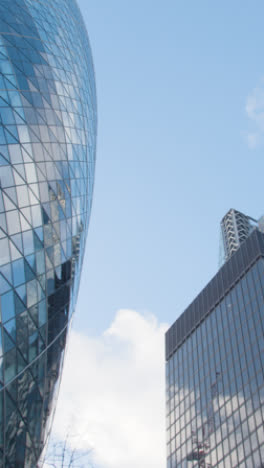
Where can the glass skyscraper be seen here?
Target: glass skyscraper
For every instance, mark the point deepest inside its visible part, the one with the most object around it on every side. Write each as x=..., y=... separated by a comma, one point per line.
x=47, y=159
x=215, y=368
x=235, y=228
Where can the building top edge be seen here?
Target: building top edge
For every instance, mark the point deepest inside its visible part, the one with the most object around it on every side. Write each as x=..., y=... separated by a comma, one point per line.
x=224, y=280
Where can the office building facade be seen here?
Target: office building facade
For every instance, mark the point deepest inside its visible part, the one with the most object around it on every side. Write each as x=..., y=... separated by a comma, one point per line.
x=47, y=159
x=215, y=368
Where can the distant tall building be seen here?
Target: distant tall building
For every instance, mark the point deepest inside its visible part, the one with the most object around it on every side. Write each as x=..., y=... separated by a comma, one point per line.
x=215, y=364
x=235, y=228
x=47, y=158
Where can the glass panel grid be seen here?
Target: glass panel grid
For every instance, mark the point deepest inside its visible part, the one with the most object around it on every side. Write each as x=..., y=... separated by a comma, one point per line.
x=215, y=384
x=47, y=159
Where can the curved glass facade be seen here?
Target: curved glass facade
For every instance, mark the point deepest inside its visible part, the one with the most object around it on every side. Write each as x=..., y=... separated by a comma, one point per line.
x=47, y=158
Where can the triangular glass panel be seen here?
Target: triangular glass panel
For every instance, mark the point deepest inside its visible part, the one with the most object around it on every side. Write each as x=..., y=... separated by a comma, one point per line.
x=58, y=272
x=67, y=184
x=7, y=272
x=9, y=205
x=40, y=175
x=4, y=152
x=3, y=161
x=20, y=112
x=28, y=272
x=39, y=232
x=24, y=224
x=46, y=99
x=31, y=325
x=22, y=333
x=27, y=214
x=32, y=198
x=18, y=179
x=41, y=347
x=11, y=192
x=54, y=187
x=45, y=215
x=9, y=374
x=42, y=281
x=56, y=227
x=10, y=82
x=15, y=254
x=10, y=327
x=52, y=137
x=33, y=87
x=8, y=343
x=22, y=296
x=50, y=252
x=35, y=189
x=26, y=156
x=27, y=147
x=52, y=195
x=43, y=332
x=48, y=262
x=4, y=286
x=17, y=240
x=21, y=170
x=33, y=135
x=47, y=150
x=55, y=234
x=37, y=243
x=26, y=98
x=63, y=206
x=41, y=166
x=61, y=213
x=11, y=135
x=21, y=363
x=18, y=298
x=31, y=259
x=35, y=132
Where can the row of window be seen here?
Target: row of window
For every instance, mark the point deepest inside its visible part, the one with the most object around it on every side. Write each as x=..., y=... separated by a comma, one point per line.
x=212, y=374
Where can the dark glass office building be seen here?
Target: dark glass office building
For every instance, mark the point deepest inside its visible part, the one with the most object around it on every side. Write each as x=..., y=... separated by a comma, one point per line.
x=215, y=364
x=47, y=158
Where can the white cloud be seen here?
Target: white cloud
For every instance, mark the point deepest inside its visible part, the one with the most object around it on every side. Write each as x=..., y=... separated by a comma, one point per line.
x=113, y=393
x=252, y=140
x=255, y=113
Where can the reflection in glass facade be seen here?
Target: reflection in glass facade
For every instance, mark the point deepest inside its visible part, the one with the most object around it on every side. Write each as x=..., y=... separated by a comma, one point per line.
x=215, y=379
x=47, y=158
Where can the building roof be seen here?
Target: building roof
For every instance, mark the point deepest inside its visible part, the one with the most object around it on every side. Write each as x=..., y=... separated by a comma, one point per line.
x=225, y=279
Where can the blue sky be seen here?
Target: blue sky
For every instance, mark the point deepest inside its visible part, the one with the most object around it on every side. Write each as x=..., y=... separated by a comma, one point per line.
x=173, y=80
x=180, y=89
